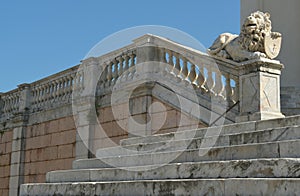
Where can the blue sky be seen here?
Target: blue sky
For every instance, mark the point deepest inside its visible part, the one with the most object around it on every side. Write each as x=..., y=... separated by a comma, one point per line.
x=39, y=38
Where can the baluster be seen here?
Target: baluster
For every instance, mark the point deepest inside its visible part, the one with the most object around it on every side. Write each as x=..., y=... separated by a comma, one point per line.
x=169, y=63
x=38, y=96
x=121, y=61
x=69, y=86
x=235, y=96
x=200, y=78
x=33, y=93
x=228, y=89
x=210, y=83
x=58, y=92
x=17, y=102
x=218, y=84
x=184, y=69
x=54, y=89
x=192, y=74
x=166, y=68
x=170, y=58
x=14, y=103
x=6, y=104
x=115, y=71
x=11, y=103
x=47, y=93
x=64, y=88
x=177, y=67
x=56, y=96
x=132, y=65
x=41, y=95
x=126, y=66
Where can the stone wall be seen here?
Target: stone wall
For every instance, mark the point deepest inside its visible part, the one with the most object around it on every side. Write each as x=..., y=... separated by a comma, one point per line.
x=5, y=156
x=38, y=123
x=162, y=118
x=49, y=146
x=290, y=100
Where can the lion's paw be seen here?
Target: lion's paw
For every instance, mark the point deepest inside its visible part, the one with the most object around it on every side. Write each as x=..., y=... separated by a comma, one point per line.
x=258, y=55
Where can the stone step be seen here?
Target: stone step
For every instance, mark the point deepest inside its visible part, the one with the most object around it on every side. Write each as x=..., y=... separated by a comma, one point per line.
x=279, y=134
x=252, y=168
x=220, y=130
x=230, y=186
x=281, y=149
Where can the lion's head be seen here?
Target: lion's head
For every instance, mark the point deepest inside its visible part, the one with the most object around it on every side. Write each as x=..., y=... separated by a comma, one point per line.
x=254, y=30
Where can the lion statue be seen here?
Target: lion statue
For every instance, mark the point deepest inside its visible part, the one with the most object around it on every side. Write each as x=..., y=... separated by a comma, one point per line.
x=255, y=40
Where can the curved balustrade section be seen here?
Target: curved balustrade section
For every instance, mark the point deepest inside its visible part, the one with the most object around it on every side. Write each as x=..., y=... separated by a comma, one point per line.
x=9, y=104
x=119, y=67
x=215, y=78
x=54, y=91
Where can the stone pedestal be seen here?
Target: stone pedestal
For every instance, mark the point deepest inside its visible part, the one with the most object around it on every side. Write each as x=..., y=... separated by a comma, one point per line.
x=259, y=90
x=17, y=161
x=83, y=105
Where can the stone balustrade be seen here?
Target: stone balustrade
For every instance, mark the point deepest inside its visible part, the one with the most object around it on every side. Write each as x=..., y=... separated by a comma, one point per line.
x=55, y=91
x=212, y=76
x=9, y=104
x=45, y=94
x=122, y=65
x=216, y=79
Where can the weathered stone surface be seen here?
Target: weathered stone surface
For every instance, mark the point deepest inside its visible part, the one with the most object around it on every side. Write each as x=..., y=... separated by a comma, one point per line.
x=290, y=100
x=235, y=152
x=236, y=128
x=173, y=144
x=252, y=168
x=261, y=186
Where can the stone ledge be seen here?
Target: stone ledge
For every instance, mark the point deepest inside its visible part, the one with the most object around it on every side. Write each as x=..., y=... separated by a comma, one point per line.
x=253, y=168
x=232, y=186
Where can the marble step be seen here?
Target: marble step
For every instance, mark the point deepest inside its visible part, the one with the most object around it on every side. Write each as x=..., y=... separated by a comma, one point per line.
x=221, y=130
x=279, y=149
x=229, y=186
x=279, y=134
x=252, y=168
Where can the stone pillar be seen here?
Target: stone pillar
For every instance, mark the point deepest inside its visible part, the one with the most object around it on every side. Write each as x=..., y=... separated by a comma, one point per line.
x=149, y=63
x=84, y=107
x=20, y=121
x=259, y=90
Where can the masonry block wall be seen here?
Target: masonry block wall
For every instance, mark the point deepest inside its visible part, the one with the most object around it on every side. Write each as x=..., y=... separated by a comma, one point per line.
x=157, y=119
x=49, y=146
x=290, y=100
x=5, y=156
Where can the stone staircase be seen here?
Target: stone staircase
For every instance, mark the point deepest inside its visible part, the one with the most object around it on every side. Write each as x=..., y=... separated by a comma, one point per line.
x=251, y=158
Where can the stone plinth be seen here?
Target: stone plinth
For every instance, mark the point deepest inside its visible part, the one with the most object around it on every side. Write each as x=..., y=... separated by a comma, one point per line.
x=259, y=90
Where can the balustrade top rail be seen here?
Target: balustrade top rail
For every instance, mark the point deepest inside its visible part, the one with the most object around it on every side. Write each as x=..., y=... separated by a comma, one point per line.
x=185, y=63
